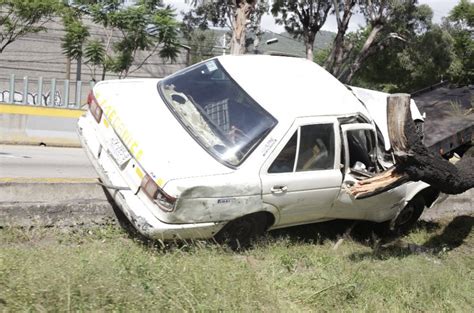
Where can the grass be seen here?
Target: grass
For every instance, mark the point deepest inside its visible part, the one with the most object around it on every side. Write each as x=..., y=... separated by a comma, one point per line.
x=104, y=269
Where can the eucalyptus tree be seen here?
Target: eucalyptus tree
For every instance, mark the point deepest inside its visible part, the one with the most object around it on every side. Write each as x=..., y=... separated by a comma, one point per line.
x=460, y=24
x=237, y=15
x=302, y=19
x=388, y=23
x=341, y=47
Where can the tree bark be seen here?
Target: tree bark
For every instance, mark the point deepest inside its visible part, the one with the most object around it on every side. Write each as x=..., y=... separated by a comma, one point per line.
x=309, y=42
x=335, y=60
x=239, y=24
x=348, y=74
x=68, y=68
x=414, y=161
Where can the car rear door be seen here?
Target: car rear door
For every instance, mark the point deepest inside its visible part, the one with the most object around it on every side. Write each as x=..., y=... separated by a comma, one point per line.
x=301, y=177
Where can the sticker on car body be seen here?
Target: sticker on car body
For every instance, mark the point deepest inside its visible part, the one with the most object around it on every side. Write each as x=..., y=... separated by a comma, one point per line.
x=211, y=66
x=225, y=200
x=268, y=145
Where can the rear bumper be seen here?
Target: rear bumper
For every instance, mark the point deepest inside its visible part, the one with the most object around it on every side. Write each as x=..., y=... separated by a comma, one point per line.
x=137, y=212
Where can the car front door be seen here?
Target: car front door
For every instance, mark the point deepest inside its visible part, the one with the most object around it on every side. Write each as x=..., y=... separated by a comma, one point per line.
x=301, y=177
x=360, y=161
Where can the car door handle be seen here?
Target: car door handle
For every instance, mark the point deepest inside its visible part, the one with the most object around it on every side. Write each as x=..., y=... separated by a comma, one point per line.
x=279, y=189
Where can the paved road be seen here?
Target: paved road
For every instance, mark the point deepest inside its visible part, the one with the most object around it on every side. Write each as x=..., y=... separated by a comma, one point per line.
x=44, y=162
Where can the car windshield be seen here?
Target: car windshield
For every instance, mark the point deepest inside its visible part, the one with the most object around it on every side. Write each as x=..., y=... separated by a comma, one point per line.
x=219, y=114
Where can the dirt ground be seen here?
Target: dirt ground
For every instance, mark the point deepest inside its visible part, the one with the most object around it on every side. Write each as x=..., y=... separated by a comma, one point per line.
x=456, y=205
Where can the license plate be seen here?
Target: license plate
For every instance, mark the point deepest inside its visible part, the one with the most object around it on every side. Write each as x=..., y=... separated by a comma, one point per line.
x=118, y=152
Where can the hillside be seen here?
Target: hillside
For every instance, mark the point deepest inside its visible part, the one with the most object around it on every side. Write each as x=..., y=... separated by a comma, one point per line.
x=286, y=43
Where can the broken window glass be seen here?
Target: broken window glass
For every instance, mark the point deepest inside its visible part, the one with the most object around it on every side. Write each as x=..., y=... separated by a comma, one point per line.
x=362, y=152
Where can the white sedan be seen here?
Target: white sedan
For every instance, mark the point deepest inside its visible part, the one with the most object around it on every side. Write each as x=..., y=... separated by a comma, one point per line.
x=237, y=145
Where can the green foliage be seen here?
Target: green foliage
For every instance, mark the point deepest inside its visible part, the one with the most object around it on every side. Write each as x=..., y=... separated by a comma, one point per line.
x=320, y=56
x=95, y=52
x=463, y=14
x=224, y=14
x=148, y=27
x=76, y=35
x=202, y=44
x=302, y=19
x=295, y=270
x=95, y=56
x=299, y=17
x=20, y=17
x=209, y=13
x=166, y=32
x=406, y=67
x=429, y=54
x=421, y=59
x=460, y=24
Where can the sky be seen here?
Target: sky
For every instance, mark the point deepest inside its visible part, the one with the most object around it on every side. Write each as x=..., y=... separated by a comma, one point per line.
x=440, y=8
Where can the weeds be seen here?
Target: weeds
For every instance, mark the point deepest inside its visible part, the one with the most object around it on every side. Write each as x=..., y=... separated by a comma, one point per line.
x=296, y=270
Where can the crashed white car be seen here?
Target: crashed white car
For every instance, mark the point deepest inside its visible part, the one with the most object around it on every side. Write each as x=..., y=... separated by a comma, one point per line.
x=237, y=145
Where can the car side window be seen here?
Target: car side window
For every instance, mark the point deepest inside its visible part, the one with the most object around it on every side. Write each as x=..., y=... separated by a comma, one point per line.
x=316, y=149
x=285, y=161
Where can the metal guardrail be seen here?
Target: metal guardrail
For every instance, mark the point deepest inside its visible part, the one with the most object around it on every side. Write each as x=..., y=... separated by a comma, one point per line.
x=61, y=93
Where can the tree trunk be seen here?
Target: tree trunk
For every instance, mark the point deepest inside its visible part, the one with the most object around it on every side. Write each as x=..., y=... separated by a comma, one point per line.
x=413, y=160
x=78, y=68
x=103, y=72
x=256, y=43
x=243, y=10
x=309, y=42
x=68, y=68
x=335, y=60
x=348, y=74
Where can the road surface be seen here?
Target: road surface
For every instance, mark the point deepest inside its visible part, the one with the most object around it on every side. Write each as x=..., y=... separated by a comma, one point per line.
x=44, y=162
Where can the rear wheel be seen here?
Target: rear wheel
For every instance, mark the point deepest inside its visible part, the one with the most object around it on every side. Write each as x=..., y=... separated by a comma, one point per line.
x=239, y=233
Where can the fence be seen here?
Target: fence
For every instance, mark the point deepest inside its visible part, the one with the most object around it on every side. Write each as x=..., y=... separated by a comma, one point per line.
x=41, y=92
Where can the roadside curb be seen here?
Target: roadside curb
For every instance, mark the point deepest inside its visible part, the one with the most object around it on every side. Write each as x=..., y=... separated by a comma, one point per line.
x=36, y=125
x=47, y=180
x=26, y=202
x=63, y=202
x=56, y=214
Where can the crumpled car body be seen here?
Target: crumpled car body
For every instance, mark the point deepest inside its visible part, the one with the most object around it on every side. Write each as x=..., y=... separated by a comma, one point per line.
x=237, y=135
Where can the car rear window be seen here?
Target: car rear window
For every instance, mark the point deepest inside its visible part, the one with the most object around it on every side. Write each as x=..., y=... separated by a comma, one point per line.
x=216, y=111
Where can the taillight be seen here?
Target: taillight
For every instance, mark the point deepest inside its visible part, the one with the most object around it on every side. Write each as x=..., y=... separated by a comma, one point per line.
x=157, y=195
x=94, y=107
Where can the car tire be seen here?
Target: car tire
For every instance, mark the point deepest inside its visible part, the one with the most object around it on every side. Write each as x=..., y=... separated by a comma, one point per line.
x=239, y=233
x=405, y=220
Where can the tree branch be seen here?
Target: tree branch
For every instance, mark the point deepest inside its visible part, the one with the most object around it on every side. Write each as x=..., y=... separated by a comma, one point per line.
x=414, y=161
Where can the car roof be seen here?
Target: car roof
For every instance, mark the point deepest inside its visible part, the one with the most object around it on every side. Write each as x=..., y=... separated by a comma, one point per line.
x=290, y=87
